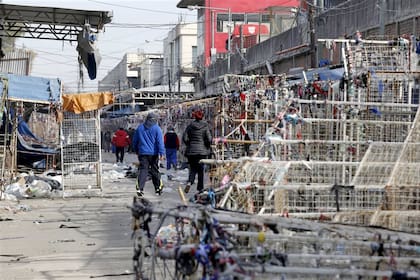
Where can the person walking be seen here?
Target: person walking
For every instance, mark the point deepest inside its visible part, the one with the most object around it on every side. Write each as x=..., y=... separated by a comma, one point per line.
x=148, y=144
x=130, y=135
x=107, y=141
x=197, y=138
x=120, y=140
x=171, y=141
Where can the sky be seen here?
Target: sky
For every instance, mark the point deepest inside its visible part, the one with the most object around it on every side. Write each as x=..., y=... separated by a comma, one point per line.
x=58, y=59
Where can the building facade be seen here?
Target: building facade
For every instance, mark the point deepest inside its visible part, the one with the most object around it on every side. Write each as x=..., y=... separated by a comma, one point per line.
x=180, y=54
x=135, y=70
x=219, y=18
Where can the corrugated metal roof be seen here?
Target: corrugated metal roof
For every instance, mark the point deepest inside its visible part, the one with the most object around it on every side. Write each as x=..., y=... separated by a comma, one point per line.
x=17, y=62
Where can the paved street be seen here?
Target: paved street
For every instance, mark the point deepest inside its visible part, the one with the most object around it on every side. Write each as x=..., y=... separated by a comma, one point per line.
x=73, y=238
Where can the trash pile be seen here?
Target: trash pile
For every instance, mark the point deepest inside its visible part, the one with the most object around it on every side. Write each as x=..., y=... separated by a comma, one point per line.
x=202, y=242
x=29, y=185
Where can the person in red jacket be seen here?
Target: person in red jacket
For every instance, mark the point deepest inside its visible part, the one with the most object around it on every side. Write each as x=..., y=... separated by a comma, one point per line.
x=120, y=141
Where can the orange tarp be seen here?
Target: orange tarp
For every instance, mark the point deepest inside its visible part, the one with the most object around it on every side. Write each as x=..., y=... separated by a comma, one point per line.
x=84, y=102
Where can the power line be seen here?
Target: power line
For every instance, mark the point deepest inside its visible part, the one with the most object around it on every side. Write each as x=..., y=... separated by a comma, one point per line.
x=135, y=8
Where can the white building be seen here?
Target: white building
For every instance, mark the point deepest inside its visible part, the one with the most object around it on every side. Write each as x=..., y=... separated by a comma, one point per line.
x=180, y=54
x=135, y=70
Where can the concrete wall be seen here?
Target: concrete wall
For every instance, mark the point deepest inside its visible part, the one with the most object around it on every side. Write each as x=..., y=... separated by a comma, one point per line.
x=116, y=79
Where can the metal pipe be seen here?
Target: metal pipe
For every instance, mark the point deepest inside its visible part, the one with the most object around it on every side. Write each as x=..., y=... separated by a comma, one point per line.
x=229, y=37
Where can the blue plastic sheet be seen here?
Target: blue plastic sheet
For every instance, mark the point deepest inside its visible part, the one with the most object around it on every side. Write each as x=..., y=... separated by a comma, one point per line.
x=33, y=89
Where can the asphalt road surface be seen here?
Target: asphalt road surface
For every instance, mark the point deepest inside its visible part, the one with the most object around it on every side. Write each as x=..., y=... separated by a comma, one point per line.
x=74, y=238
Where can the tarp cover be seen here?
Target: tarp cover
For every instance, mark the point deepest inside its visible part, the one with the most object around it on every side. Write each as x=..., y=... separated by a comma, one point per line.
x=29, y=142
x=324, y=73
x=84, y=102
x=33, y=89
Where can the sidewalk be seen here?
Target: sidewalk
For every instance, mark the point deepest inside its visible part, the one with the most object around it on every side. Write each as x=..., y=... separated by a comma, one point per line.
x=75, y=238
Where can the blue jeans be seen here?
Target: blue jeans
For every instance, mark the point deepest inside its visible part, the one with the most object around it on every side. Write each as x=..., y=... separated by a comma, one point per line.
x=171, y=158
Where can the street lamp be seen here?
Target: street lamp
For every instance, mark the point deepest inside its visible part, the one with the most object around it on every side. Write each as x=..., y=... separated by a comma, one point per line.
x=195, y=7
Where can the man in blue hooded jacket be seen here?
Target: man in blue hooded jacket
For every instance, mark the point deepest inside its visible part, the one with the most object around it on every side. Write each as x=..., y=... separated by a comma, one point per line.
x=148, y=144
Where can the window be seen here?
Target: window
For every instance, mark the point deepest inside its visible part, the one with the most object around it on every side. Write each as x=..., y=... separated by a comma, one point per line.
x=257, y=18
x=223, y=19
x=252, y=18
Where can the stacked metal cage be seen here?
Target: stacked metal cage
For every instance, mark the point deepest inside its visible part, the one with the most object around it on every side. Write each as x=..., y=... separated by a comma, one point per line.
x=349, y=152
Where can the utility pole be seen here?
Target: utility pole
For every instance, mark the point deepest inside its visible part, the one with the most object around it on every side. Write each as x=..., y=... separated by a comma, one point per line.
x=229, y=38
x=179, y=80
x=169, y=86
x=241, y=34
x=312, y=43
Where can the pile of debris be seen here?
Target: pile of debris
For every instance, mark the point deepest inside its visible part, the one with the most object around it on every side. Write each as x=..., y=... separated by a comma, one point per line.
x=29, y=185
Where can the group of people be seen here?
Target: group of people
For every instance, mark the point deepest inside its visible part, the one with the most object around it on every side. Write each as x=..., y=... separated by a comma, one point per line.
x=150, y=145
x=119, y=142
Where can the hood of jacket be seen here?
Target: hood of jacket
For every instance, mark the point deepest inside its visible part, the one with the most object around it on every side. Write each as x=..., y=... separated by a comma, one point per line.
x=120, y=133
x=151, y=120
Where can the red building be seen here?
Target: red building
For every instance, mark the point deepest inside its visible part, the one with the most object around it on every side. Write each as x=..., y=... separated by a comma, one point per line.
x=251, y=22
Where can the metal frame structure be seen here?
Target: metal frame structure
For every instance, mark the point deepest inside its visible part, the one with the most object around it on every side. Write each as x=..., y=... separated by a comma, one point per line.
x=61, y=24
x=49, y=22
x=344, y=150
x=81, y=154
x=203, y=242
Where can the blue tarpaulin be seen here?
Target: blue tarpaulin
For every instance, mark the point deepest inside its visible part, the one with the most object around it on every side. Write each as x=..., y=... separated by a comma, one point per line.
x=33, y=89
x=30, y=147
x=324, y=74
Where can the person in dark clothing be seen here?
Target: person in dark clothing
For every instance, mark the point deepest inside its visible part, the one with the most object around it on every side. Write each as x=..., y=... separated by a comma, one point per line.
x=130, y=135
x=197, y=138
x=107, y=141
x=120, y=141
x=148, y=144
x=171, y=141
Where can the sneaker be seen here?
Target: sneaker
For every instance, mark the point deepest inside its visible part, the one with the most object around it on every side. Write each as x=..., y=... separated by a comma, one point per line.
x=140, y=194
x=187, y=188
x=159, y=189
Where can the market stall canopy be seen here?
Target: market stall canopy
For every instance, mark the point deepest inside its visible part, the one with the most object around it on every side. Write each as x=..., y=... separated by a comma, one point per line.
x=32, y=89
x=49, y=22
x=84, y=102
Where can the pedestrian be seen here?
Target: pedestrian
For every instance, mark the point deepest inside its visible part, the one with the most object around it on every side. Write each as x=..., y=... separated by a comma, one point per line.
x=197, y=138
x=130, y=135
x=171, y=141
x=148, y=144
x=120, y=140
x=107, y=141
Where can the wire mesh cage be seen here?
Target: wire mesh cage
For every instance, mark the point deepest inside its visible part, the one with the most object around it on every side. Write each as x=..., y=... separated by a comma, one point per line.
x=383, y=55
x=81, y=152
